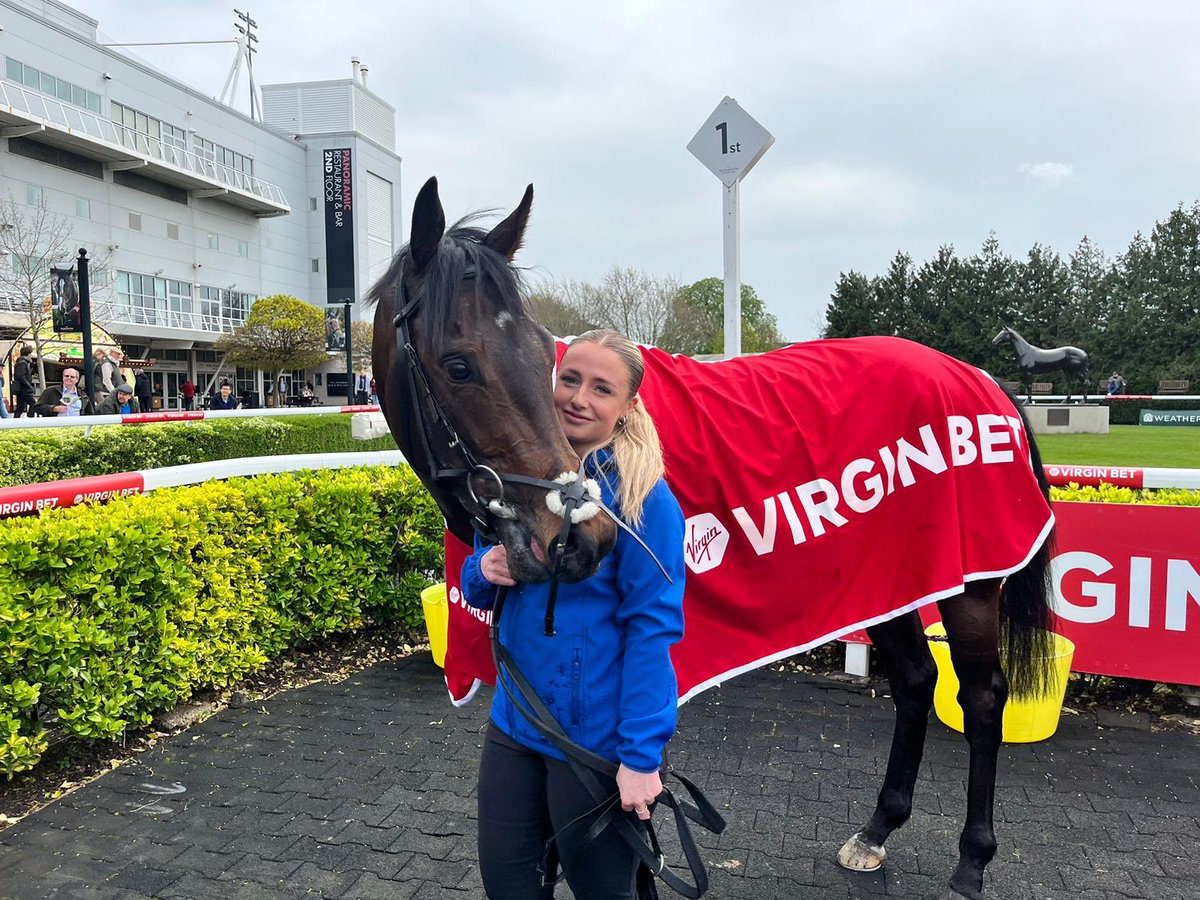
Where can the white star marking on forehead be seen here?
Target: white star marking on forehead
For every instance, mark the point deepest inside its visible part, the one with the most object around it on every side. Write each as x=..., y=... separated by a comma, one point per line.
x=503, y=319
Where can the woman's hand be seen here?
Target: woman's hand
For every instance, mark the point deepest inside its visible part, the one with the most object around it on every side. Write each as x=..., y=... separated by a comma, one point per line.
x=494, y=566
x=638, y=790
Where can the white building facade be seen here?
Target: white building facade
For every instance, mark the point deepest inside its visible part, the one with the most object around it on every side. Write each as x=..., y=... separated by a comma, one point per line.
x=195, y=209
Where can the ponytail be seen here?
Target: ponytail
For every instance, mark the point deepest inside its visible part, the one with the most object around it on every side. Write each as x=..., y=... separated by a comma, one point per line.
x=636, y=447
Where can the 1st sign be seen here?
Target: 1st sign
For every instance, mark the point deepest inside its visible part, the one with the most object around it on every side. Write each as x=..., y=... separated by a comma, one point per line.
x=730, y=142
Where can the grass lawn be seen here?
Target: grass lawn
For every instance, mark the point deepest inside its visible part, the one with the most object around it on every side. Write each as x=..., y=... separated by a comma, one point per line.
x=1175, y=447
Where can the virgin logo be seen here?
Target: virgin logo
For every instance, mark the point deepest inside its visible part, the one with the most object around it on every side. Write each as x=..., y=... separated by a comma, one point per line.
x=704, y=542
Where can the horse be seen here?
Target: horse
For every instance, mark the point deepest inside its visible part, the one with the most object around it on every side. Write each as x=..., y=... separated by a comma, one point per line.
x=449, y=306
x=1034, y=360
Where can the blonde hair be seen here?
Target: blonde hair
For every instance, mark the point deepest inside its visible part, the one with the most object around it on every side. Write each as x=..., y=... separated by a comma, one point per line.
x=636, y=448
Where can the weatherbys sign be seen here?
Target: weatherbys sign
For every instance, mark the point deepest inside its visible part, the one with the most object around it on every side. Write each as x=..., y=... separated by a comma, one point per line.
x=1170, y=417
x=337, y=177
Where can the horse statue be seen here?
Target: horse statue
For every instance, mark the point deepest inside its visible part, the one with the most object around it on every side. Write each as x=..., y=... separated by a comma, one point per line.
x=1034, y=360
x=465, y=385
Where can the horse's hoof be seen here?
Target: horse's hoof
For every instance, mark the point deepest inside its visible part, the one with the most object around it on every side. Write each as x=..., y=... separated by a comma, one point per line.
x=859, y=856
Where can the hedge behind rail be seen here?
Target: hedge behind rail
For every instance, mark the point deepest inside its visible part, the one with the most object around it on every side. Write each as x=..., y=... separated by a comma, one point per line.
x=110, y=613
x=29, y=457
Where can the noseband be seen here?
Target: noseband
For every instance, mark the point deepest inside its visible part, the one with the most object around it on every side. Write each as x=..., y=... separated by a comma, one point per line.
x=571, y=495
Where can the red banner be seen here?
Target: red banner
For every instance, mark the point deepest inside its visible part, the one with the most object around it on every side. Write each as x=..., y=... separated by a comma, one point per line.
x=29, y=498
x=1128, y=590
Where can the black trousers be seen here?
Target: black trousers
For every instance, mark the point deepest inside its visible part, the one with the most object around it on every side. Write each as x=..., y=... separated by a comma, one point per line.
x=524, y=797
x=24, y=405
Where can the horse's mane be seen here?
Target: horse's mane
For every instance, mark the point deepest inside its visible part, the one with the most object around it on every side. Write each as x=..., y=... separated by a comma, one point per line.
x=461, y=248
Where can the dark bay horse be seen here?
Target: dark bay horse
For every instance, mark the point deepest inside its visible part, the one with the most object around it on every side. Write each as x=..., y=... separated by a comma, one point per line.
x=1034, y=361
x=488, y=387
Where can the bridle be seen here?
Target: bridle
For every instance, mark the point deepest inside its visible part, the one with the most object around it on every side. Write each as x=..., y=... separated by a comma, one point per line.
x=576, y=498
x=572, y=495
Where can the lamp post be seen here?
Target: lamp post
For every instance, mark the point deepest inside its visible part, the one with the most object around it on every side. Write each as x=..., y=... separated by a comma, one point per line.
x=85, y=322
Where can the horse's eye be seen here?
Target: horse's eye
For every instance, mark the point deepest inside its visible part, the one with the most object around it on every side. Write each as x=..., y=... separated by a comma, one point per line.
x=458, y=371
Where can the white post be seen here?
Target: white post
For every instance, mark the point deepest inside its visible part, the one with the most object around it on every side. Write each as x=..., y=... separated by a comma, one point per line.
x=733, y=273
x=858, y=659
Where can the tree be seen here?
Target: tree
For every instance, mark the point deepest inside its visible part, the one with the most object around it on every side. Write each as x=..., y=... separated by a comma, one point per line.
x=30, y=243
x=634, y=303
x=556, y=312
x=280, y=334
x=362, y=334
x=854, y=309
x=699, y=320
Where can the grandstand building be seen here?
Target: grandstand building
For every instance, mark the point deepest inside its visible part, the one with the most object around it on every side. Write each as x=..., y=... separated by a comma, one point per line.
x=194, y=208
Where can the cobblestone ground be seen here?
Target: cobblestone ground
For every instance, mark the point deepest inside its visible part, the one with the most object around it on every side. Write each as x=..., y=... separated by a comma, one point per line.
x=365, y=789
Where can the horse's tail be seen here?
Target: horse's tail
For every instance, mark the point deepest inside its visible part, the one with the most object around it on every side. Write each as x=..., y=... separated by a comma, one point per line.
x=1025, y=613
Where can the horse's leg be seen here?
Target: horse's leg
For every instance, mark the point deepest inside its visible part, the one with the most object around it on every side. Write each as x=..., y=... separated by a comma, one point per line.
x=912, y=675
x=973, y=628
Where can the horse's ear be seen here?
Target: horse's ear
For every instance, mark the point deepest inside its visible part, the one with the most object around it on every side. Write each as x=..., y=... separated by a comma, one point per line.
x=428, y=226
x=506, y=237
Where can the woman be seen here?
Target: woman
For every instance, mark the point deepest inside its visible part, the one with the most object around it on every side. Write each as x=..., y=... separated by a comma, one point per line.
x=606, y=674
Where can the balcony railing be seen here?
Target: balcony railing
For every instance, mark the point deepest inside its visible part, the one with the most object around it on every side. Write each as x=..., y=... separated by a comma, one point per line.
x=110, y=313
x=18, y=105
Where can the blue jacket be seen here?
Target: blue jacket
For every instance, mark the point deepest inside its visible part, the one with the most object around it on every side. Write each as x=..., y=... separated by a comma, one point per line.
x=607, y=674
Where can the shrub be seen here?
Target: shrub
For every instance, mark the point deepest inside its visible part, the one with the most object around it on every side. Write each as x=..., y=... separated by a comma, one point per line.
x=1109, y=493
x=29, y=457
x=111, y=613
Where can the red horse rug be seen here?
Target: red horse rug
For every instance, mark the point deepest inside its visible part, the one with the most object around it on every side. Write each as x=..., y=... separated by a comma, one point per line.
x=827, y=486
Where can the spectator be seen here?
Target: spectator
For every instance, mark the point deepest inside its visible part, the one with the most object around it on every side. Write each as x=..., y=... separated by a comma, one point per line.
x=225, y=399
x=360, y=389
x=187, y=391
x=281, y=392
x=106, y=373
x=3, y=399
x=23, y=382
x=1116, y=384
x=120, y=402
x=142, y=387
x=374, y=393
x=66, y=400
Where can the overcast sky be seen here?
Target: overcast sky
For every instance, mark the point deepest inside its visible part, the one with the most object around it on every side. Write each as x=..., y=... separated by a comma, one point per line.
x=897, y=125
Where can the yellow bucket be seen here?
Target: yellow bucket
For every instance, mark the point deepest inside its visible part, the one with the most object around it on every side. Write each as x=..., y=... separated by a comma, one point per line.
x=1025, y=720
x=437, y=617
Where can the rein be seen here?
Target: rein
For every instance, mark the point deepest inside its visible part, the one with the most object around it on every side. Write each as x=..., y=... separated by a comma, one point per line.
x=576, y=499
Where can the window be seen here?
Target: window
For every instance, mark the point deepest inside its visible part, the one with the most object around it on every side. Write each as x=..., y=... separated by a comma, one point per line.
x=173, y=355
x=206, y=356
x=312, y=207
x=160, y=134
x=142, y=298
x=179, y=302
x=243, y=248
x=174, y=137
x=223, y=156
x=135, y=222
x=83, y=207
x=214, y=241
x=172, y=231
x=246, y=381
x=34, y=195
x=45, y=83
x=316, y=265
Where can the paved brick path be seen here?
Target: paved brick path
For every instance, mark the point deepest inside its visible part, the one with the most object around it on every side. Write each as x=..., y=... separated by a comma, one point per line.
x=364, y=789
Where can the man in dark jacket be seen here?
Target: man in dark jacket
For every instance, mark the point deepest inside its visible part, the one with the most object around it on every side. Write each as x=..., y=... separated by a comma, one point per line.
x=68, y=400
x=23, y=382
x=120, y=402
x=142, y=388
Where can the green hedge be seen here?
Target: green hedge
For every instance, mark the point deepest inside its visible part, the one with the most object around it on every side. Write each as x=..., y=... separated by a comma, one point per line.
x=29, y=457
x=1109, y=493
x=109, y=613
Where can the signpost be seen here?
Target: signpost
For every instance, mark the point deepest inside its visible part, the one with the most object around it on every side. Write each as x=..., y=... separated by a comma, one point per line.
x=729, y=143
